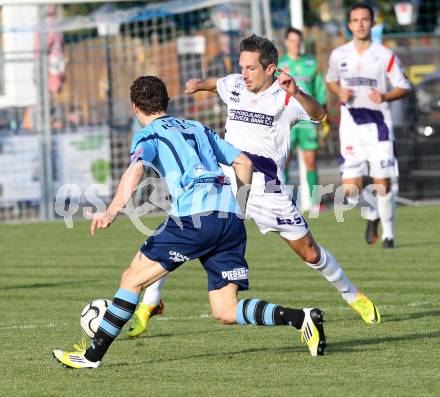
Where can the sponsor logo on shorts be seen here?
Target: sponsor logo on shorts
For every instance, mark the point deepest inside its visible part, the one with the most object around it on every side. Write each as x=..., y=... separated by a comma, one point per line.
x=387, y=163
x=348, y=149
x=297, y=220
x=239, y=273
x=177, y=257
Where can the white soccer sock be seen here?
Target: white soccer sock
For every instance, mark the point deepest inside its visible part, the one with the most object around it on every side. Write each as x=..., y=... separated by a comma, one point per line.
x=332, y=271
x=386, y=207
x=371, y=213
x=352, y=200
x=152, y=293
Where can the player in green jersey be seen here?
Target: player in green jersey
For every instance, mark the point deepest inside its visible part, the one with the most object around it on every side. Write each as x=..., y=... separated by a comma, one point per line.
x=305, y=70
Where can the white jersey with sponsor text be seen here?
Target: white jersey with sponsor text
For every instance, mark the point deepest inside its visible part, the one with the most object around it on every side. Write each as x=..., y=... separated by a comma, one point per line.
x=377, y=67
x=260, y=124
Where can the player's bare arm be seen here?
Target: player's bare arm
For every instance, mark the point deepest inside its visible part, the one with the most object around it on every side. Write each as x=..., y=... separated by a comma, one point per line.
x=128, y=184
x=313, y=108
x=344, y=94
x=243, y=169
x=195, y=85
x=396, y=93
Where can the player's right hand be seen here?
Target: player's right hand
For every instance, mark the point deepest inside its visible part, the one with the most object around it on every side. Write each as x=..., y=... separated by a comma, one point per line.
x=101, y=221
x=345, y=94
x=191, y=86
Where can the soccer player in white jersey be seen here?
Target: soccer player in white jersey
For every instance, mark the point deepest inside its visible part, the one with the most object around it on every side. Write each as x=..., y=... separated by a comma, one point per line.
x=261, y=111
x=366, y=76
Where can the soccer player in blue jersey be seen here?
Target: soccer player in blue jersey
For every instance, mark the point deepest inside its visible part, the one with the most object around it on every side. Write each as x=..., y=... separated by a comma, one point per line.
x=204, y=223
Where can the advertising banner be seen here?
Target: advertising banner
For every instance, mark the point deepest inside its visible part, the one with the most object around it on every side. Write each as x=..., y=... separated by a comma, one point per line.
x=83, y=159
x=19, y=165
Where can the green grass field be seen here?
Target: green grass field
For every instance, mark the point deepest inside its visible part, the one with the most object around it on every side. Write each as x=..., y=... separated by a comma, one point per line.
x=48, y=273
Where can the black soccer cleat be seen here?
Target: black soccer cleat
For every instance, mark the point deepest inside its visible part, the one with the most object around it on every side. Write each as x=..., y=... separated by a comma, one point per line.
x=388, y=243
x=371, y=235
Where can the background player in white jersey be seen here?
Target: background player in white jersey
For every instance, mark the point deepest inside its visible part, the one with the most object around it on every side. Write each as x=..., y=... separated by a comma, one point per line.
x=366, y=76
x=261, y=110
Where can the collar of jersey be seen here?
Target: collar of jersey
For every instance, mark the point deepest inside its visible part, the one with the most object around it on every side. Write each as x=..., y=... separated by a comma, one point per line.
x=269, y=90
x=365, y=52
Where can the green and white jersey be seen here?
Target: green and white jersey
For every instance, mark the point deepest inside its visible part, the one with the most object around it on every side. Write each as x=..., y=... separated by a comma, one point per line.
x=307, y=75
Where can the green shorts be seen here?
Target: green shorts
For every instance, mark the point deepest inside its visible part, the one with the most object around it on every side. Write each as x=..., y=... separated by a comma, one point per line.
x=305, y=135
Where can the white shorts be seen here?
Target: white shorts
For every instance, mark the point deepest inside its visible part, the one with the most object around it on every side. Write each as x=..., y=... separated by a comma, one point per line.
x=272, y=212
x=377, y=160
x=275, y=212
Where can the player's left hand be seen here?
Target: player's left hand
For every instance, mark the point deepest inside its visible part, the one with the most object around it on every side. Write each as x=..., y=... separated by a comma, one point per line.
x=376, y=96
x=101, y=221
x=287, y=82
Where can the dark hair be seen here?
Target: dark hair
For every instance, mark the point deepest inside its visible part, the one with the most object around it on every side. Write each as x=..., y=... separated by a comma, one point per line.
x=360, y=6
x=149, y=94
x=293, y=30
x=265, y=48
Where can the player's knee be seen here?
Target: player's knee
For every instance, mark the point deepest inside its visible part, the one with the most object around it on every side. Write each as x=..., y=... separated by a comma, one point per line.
x=350, y=190
x=310, y=164
x=224, y=316
x=126, y=278
x=311, y=255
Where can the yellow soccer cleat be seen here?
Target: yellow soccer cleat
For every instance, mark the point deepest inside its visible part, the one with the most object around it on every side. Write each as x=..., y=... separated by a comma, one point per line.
x=312, y=331
x=141, y=316
x=75, y=359
x=366, y=309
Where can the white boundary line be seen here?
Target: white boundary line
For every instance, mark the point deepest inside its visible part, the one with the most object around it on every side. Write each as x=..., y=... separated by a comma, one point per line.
x=202, y=316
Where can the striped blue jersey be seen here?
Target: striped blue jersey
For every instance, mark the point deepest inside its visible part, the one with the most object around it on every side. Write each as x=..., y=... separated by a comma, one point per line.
x=187, y=154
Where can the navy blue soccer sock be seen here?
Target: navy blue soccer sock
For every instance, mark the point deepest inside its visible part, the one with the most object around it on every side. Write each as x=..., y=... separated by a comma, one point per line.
x=258, y=312
x=116, y=316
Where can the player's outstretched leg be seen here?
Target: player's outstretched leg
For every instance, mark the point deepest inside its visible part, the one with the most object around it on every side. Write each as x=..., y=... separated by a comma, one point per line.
x=151, y=306
x=142, y=272
x=309, y=321
x=321, y=260
x=115, y=317
x=332, y=271
x=227, y=310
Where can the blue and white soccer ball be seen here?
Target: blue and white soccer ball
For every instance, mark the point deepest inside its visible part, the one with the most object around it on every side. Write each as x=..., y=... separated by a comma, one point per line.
x=92, y=314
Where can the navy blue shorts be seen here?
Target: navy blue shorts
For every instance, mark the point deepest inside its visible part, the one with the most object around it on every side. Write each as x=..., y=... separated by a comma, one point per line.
x=219, y=244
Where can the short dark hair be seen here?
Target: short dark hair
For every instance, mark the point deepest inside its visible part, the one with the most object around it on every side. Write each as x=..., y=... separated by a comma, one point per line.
x=265, y=48
x=360, y=6
x=149, y=94
x=293, y=30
